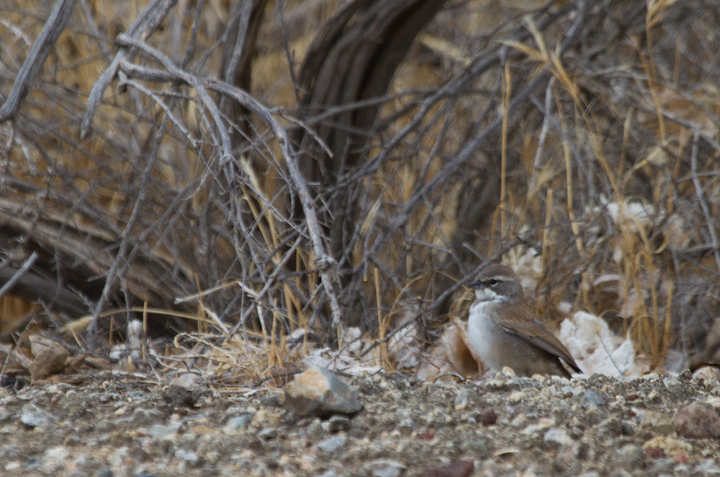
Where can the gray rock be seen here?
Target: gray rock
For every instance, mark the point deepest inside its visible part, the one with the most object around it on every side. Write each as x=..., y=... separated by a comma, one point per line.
x=161, y=431
x=628, y=427
x=708, y=467
x=318, y=392
x=331, y=444
x=240, y=422
x=34, y=417
x=188, y=456
x=268, y=433
x=557, y=436
x=315, y=430
x=592, y=399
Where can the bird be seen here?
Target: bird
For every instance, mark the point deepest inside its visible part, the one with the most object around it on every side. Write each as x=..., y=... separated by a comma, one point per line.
x=504, y=331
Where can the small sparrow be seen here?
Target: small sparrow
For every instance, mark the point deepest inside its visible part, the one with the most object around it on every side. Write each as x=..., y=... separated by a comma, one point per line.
x=504, y=331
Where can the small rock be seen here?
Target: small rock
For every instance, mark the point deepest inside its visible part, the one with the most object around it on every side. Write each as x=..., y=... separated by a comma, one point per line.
x=458, y=468
x=558, y=436
x=714, y=402
x=264, y=418
x=188, y=381
x=49, y=362
x=629, y=457
x=268, y=433
x=272, y=399
x=707, y=373
x=315, y=430
x=33, y=417
x=339, y=423
x=179, y=396
x=708, y=467
x=239, y=422
x=461, y=400
x=488, y=418
x=569, y=391
x=668, y=445
x=592, y=399
x=160, y=431
x=697, y=420
x=387, y=468
x=188, y=456
x=655, y=423
x=328, y=473
x=318, y=392
x=628, y=427
x=331, y=444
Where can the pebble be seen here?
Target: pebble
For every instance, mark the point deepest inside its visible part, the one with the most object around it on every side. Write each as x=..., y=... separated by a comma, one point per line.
x=34, y=417
x=697, y=420
x=331, y=444
x=668, y=445
x=629, y=457
x=707, y=467
x=591, y=399
x=189, y=456
x=318, y=392
x=315, y=431
x=656, y=423
x=268, y=433
x=707, y=373
x=387, y=468
x=461, y=400
x=161, y=431
x=558, y=436
x=239, y=422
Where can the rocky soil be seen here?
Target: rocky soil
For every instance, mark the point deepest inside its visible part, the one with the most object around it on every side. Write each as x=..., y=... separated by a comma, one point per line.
x=501, y=426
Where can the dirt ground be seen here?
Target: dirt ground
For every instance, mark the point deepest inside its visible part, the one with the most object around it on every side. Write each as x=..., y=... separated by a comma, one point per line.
x=504, y=426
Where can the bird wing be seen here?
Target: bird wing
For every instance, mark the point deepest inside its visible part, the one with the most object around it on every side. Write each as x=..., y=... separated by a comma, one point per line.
x=534, y=331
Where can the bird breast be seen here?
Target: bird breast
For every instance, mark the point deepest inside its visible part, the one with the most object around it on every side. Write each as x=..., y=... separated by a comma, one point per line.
x=483, y=333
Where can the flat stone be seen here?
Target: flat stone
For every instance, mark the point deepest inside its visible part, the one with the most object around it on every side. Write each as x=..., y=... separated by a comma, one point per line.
x=318, y=392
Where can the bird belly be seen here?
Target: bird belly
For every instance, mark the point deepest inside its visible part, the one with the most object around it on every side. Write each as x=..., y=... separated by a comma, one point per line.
x=484, y=335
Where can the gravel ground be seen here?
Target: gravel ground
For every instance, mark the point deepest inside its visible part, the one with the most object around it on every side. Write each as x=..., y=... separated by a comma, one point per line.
x=503, y=426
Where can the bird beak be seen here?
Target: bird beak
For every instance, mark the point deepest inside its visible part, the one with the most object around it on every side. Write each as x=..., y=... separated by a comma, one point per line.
x=475, y=284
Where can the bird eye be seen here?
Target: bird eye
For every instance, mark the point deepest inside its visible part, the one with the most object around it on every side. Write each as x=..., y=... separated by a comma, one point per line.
x=492, y=282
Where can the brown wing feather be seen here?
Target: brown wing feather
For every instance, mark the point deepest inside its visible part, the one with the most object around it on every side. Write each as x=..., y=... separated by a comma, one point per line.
x=528, y=327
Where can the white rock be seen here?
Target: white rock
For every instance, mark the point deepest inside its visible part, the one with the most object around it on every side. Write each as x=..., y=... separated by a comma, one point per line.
x=558, y=436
